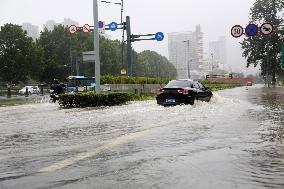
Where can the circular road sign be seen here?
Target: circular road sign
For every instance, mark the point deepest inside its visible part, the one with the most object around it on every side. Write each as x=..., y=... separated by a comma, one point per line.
x=159, y=36
x=251, y=30
x=101, y=24
x=86, y=28
x=72, y=29
x=113, y=26
x=237, y=31
x=266, y=28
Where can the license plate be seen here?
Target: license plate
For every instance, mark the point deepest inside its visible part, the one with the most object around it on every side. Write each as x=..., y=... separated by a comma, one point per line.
x=170, y=100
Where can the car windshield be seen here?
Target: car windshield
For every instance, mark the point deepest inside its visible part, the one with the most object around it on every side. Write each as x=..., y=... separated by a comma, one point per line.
x=178, y=84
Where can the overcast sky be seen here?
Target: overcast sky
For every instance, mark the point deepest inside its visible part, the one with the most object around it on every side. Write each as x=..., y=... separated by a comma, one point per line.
x=216, y=18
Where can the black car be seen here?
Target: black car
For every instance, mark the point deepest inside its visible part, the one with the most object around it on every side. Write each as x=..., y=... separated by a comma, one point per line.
x=183, y=91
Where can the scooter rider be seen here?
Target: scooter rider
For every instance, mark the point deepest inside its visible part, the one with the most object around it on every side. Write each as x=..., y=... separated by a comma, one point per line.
x=55, y=90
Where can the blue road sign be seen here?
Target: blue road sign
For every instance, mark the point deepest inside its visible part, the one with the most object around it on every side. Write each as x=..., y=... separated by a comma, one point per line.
x=113, y=26
x=159, y=36
x=252, y=30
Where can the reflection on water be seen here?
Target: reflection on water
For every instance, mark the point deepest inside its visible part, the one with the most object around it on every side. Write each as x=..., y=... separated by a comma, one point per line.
x=234, y=141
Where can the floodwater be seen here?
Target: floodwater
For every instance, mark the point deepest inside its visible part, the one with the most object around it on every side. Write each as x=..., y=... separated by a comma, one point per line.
x=234, y=141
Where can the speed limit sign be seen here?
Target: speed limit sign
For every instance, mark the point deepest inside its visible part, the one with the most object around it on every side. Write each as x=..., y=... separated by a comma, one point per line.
x=237, y=31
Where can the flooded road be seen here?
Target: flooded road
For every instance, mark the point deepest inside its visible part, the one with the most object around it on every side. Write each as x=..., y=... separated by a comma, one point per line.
x=234, y=141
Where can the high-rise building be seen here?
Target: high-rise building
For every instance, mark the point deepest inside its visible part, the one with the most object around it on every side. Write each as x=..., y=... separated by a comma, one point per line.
x=49, y=25
x=69, y=22
x=218, y=52
x=32, y=30
x=186, y=51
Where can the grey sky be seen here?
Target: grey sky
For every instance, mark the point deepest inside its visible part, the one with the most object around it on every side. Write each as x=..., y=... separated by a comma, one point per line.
x=216, y=18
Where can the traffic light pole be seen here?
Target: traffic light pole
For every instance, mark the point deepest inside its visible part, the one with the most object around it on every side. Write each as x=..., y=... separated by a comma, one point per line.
x=129, y=49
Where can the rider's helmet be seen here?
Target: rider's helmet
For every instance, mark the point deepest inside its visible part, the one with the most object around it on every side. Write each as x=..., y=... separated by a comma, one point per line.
x=55, y=81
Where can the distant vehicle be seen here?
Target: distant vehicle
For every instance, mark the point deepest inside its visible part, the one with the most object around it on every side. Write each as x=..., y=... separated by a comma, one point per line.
x=183, y=91
x=30, y=90
x=80, y=83
x=249, y=83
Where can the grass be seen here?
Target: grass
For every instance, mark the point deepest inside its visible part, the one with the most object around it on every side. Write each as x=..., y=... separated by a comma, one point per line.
x=16, y=102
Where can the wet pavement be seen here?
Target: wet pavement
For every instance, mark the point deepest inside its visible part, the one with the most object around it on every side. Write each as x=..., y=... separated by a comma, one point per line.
x=234, y=141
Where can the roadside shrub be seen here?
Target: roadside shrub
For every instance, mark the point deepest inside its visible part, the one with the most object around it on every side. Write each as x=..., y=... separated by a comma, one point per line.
x=91, y=99
x=109, y=79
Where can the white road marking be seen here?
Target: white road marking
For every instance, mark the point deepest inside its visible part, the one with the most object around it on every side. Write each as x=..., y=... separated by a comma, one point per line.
x=84, y=155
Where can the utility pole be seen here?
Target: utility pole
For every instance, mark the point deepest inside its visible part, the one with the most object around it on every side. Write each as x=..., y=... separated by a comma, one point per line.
x=129, y=50
x=97, y=47
x=188, y=71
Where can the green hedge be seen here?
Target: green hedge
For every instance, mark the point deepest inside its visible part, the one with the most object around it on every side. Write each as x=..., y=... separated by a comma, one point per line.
x=109, y=79
x=217, y=85
x=91, y=99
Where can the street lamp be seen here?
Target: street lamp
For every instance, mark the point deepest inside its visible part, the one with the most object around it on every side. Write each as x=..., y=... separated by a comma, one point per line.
x=121, y=9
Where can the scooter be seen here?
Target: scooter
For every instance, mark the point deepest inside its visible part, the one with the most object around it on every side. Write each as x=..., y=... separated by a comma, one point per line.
x=53, y=97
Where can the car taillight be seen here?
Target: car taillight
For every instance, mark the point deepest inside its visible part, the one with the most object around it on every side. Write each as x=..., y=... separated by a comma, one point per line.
x=183, y=91
x=159, y=91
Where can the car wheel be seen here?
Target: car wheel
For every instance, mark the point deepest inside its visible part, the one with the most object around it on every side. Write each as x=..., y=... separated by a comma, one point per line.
x=191, y=101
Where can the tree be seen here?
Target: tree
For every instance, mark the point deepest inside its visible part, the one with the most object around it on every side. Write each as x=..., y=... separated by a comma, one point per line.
x=264, y=50
x=151, y=64
x=56, y=45
x=20, y=57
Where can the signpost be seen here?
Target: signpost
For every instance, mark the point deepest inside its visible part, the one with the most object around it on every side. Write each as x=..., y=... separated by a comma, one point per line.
x=159, y=36
x=86, y=28
x=113, y=26
x=237, y=31
x=101, y=24
x=89, y=56
x=72, y=29
x=251, y=30
x=101, y=27
x=266, y=28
